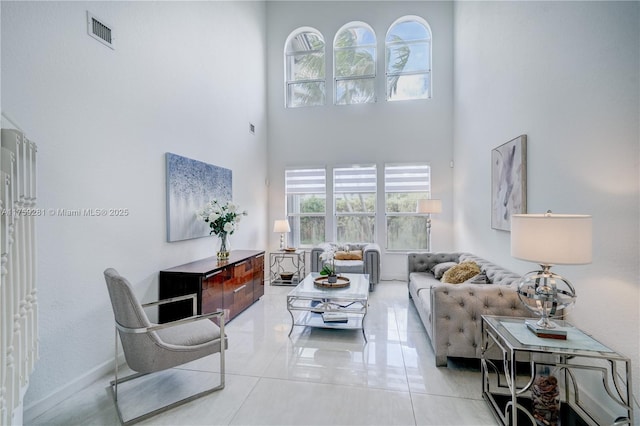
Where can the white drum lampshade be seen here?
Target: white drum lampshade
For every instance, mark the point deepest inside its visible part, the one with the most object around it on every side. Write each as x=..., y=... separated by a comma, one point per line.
x=549, y=239
x=283, y=227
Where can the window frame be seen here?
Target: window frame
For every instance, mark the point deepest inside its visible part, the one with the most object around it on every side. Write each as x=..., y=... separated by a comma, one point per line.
x=335, y=192
x=427, y=70
x=425, y=193
x=370, y=77
x=294, y=216
x=290, y=81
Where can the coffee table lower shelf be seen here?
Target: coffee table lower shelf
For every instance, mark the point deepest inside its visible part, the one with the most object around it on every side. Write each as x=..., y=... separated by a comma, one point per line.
x=312, y=319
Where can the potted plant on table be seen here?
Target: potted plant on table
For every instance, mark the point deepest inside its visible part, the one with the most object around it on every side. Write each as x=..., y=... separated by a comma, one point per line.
x=223, y=219
x=329, y=267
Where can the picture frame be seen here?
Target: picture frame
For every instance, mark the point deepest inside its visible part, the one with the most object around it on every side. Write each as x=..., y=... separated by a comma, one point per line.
x=508, y=182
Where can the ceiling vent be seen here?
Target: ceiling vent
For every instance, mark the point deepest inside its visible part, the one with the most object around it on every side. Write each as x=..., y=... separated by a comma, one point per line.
x=100, y=30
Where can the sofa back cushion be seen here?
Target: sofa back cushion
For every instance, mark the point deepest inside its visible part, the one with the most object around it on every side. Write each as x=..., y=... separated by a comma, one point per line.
x=495, y=274
x=441, y=268
x=424, y=262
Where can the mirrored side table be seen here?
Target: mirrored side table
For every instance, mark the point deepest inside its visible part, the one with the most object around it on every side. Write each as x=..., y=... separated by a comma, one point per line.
x=546, y=381
x=286, y=267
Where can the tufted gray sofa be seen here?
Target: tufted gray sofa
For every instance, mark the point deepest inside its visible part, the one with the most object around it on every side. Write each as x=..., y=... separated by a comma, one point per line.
x=451, y=313
x=370, y=263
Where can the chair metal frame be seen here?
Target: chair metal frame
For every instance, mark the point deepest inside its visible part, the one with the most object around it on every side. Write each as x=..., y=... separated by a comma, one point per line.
x=118, y=327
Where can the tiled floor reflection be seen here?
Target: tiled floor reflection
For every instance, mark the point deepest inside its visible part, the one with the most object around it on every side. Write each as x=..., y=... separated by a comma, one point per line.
x=314, y=377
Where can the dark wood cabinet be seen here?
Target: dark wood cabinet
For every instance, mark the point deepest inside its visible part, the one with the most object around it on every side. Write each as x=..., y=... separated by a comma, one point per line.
x=232, y=285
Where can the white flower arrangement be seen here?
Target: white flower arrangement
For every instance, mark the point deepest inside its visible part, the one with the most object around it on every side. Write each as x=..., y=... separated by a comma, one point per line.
x=222, y=218
x=328, y=256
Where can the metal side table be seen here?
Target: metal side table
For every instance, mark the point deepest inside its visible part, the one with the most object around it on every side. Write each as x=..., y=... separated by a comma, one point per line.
x=286, y=261
x=508, y=385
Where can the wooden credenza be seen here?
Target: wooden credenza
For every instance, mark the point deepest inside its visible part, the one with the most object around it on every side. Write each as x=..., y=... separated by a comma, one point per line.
x=232, y=285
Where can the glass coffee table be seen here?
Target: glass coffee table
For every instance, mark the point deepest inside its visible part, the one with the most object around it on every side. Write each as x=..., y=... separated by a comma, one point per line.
x=341, y=308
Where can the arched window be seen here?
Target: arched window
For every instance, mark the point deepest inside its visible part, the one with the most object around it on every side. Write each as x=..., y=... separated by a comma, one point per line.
x=408, y=59
x=354, y=64
x=305, y=69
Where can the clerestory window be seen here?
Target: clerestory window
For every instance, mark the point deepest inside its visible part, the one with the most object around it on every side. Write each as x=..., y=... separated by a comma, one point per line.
x=354, y=64
x=305, y=68
x=408, y=59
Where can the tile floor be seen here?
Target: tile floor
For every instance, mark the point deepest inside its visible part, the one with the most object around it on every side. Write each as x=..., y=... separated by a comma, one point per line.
x=315, y=377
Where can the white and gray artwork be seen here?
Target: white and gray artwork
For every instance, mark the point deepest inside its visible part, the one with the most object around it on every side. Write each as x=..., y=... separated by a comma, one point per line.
x=508, y=182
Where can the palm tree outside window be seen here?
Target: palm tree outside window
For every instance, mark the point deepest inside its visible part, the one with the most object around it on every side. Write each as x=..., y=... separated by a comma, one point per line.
x=408, y=59
x=354, y=59
x=305, y=68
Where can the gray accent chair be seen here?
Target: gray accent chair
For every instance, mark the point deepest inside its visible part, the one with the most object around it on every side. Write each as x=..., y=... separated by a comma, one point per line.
x=370, y=263
x=150, y=347
x=452, y=313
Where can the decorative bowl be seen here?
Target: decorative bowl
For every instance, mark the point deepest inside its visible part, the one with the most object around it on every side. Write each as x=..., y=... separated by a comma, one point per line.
x=286, y=276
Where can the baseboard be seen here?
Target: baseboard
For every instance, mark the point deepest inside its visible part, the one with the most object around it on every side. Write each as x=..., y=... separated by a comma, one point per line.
x=36, y=409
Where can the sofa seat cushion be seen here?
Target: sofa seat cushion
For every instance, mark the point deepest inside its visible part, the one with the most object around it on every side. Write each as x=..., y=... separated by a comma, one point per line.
x=421, y=280
x=349, y=266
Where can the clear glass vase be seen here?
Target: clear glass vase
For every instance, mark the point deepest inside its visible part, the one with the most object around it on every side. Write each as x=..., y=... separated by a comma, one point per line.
x=545, y=397
x=223, y=248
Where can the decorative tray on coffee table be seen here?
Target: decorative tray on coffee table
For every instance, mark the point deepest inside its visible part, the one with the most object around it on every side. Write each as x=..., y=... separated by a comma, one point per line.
x=324, y=282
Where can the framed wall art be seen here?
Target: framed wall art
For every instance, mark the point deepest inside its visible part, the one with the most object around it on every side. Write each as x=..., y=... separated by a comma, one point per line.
x=508, y=182
x=190, y=185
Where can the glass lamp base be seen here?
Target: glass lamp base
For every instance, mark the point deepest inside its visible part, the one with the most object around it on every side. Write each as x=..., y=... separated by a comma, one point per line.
x=545, y=294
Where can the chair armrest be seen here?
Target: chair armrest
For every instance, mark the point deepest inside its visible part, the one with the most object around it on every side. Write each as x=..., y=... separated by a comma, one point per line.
x=218, y=313
x=370, y=247
x=193, y=296
x=371, y=257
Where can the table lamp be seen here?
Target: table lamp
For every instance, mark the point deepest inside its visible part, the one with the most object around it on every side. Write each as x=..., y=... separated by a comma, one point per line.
x=429, y=206
x=281, y=226
x=549, y=239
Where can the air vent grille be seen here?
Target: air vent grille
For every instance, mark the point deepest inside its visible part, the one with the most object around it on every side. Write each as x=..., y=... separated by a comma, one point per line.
x=99, y=30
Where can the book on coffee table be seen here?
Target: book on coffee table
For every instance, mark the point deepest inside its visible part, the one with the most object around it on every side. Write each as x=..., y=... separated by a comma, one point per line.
x=335, y=317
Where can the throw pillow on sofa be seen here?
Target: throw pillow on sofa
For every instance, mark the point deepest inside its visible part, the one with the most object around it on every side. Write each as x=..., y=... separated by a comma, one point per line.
x=481, y=278
x=461, y=272
x=441, y=268
x=348, y=255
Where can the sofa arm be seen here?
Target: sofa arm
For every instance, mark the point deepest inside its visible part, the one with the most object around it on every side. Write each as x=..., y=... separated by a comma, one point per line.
x=457, y=311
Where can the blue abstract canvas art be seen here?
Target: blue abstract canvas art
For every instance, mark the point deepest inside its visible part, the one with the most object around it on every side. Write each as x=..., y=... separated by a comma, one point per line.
x=190, y=185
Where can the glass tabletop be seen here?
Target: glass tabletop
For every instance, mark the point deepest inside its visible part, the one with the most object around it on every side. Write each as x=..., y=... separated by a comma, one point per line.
x=358, y=288
x=519, y=337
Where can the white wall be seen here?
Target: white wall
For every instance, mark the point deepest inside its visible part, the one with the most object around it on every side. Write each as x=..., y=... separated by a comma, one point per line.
x=384, y=132
x=566, y=74
x=185, y=78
